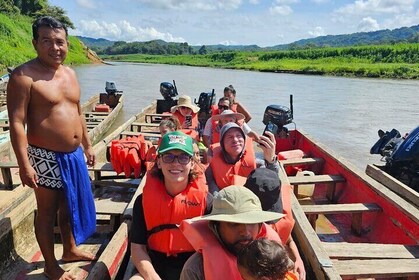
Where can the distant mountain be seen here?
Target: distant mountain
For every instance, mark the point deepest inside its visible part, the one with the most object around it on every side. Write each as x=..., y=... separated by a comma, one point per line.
x=92, y=42
x=403, y=34
x=361, y=38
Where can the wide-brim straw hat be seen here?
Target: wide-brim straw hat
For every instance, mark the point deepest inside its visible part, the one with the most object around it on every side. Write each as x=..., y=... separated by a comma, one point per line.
x=238, y=204
x=228, y=113
x=185, y=101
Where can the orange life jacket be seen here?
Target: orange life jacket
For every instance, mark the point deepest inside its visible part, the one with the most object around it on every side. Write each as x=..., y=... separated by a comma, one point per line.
x=191, y=132
x=285, y=225
x=182, y=119
x=290, y=276
x=233, y=107
x=225, y=173
x=215, y=137
x=128, y=154
x=218, y=262
x=163, y=213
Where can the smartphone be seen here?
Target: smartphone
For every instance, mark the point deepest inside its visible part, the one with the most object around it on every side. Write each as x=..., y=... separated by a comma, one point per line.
x=271, y=127
x=188, y=120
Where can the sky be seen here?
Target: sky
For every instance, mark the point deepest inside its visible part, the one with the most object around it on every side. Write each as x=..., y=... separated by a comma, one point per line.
x=234, y=22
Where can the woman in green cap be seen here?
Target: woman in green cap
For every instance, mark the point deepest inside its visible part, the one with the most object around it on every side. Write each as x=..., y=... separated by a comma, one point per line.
x=175, y=190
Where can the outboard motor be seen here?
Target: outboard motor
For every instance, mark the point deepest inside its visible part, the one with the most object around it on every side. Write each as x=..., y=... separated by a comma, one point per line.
x=275, y=118
x=169, y=92
x=401, y=155
x=112, y=95
x=205, y=102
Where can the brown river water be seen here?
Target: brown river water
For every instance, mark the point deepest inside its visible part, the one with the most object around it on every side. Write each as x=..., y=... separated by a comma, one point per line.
x=341, y=113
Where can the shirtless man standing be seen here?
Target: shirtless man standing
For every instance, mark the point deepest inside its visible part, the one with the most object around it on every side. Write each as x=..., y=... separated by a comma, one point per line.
x=44, y=96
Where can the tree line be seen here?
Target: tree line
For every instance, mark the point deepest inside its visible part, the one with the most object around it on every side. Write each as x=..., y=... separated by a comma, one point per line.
x=35, y=9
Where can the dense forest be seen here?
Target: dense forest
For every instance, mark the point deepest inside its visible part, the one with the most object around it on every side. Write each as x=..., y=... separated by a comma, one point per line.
x=159, y=47
x=16, y=17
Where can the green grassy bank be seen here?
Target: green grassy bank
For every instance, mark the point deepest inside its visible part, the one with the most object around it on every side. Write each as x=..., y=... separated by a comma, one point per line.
x=16, y=43
x=400, y=61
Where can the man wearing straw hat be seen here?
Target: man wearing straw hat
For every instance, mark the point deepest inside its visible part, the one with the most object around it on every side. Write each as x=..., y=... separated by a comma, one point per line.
x=236, y=219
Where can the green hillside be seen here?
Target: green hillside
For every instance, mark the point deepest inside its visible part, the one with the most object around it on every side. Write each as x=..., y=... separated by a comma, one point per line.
x=16, y=43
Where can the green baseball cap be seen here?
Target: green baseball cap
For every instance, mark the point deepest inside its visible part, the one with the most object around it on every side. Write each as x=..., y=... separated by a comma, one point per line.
x=176, y=140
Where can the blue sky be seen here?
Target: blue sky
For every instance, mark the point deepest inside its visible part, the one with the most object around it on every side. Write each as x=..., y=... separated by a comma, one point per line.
x=232, y=22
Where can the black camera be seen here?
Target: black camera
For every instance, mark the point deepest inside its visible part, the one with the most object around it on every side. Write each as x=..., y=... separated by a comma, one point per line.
x=271, y=127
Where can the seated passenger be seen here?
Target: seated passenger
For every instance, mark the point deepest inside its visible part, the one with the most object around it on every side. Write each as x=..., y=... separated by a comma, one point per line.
x=186, y=113
x=174, y=191
x=236, y=219
x=235, y=105
x=169, y=125
x=234, y=159
x=264, y=259
x=276, y=197
x=211, y=133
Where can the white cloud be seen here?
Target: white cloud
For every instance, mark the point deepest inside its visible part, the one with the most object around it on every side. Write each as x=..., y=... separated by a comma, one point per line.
x=123, y=31
x=88, y=4
x=228, y=43
x=281, y=10
x=254, y=2
x=320, y=1
x=363, y=7
x=193, y=5
x=368, y=24
x=318, y=31
x=286, y=2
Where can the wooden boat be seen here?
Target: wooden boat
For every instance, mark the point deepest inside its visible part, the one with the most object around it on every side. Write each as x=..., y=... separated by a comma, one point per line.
x=114, y=197
x=348, y=226
x=393, y=184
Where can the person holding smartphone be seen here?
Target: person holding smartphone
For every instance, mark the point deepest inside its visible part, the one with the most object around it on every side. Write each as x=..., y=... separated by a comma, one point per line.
x=187, y=114
x=234, y=158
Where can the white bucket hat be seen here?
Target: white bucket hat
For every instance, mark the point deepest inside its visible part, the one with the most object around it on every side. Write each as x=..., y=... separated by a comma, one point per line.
x=228, y=113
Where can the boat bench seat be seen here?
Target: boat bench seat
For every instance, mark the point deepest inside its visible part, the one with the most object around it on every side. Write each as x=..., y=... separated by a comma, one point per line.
x=156, y=118
x=356, y=209
x=382, y=268
x=344, y=250
x=7, y=174
x=301, y=161
x=99, y=179
x=145, y=134
x=114, y=209
x=139, y=126
x=92, y=113
x=331, y=180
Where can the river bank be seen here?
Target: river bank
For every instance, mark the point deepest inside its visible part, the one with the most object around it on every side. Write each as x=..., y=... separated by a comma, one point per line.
x=399, y=61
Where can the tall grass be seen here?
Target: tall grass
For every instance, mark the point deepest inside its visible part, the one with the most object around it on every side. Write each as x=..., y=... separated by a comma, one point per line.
x=16, y=43
x=399, y=61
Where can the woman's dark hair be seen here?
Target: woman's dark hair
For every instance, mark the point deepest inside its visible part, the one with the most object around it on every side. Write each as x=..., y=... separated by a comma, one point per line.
x=172, y=123
x=230, y=88
x=224, y=99
x=265, y=258
x=47, y=21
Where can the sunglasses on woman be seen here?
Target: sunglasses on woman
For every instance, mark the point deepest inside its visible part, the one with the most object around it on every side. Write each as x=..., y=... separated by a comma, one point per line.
x=182, y=158
x=223, y=107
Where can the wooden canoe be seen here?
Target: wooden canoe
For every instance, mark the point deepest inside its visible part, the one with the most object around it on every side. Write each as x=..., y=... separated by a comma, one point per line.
x=348, y=226
x=393, y=184
x=20, y=257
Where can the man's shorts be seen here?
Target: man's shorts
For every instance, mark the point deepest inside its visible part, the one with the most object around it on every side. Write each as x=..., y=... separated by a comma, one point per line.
x=45, y=164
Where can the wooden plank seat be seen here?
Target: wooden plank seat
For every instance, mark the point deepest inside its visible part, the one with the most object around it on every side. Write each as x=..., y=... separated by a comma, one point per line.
x=7, y=174
x=98, y=179
x=344, y=250
x=301, y=161
x=356, y=209
x=112, y=208
x=156, y=118
x=138, y=126
x=387, y=268
x=93, y=113
x=331, y=180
